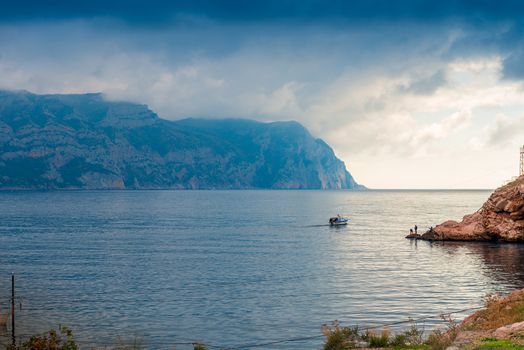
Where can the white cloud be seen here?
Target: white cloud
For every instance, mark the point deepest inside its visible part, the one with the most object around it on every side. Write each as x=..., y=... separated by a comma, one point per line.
x=476, y=65
x=441, y=130
x=505, y=130
x=384, y=100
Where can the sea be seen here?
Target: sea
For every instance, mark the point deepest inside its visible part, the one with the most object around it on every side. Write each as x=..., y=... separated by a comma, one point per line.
x=239, y=269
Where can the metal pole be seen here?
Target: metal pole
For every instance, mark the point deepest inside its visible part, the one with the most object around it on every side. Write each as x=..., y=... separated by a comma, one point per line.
x=13, y=309
x=521, y=170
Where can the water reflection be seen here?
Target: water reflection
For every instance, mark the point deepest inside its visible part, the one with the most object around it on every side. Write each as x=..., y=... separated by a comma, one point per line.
x=504, y=262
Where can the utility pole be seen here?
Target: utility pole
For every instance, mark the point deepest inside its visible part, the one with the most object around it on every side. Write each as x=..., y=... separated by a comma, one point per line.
x=521, y=171
x=13, y=310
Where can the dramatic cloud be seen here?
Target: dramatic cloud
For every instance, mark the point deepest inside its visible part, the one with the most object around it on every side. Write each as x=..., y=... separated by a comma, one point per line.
x=387, y=84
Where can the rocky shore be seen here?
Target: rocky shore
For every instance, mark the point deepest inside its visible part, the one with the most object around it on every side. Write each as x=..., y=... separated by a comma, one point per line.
x=499, y=326
x=501, y=218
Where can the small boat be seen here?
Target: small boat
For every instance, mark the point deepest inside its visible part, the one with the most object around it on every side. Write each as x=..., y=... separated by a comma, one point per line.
x=338, y=220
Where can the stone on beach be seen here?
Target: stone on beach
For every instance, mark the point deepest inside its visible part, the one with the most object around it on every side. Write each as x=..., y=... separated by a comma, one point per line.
x=413, y=236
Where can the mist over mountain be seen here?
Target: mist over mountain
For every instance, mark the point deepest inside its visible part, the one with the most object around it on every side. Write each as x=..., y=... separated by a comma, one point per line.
x=82, y=141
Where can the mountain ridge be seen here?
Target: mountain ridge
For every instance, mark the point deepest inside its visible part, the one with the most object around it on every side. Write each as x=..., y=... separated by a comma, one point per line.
x=83, y=141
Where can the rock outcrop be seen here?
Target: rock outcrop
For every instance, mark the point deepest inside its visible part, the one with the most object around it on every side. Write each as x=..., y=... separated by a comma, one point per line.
x=499, y=326
x=501, y=218
x=86, y=142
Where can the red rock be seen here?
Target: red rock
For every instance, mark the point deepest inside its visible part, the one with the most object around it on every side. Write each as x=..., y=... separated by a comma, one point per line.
x=500, y=218
x=508, y=330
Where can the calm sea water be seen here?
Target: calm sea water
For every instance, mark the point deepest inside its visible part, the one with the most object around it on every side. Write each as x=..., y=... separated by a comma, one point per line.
x=230, y=268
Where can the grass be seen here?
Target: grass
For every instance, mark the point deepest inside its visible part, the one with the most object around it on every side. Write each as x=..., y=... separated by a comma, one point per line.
x=378, y=340
x=498, y=312
x=345, y=338
x=496, y=344
x=411, y=339
x=340, y=338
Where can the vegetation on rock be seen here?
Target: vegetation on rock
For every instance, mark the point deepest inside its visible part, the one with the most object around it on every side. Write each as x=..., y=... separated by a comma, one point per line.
x=500, y=325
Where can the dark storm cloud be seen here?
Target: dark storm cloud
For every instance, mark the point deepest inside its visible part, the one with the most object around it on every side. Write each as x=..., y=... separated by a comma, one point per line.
x=489, y=27
x=504, y=38
x=155, y=12
x=514, y=65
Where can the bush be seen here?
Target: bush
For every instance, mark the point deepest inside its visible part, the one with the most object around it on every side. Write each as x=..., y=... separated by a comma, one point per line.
x=399, y=340
x=414, y=335
x=440, y=340
x=378, y=340
x=52, y=340
x=339, y=338
x=344, y=338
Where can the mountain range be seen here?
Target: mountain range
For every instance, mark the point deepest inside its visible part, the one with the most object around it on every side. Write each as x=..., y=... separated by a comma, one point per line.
x=83, y=141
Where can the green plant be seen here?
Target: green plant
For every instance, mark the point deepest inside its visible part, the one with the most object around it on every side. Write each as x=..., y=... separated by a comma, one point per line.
x=339, y=338
x=495, y=344
x=488, y=339
x=498, y=312
x=378, y=340
x=414, y=335
x=199, y=346
x=439, y=339
x=399, y=340
x=52, y=340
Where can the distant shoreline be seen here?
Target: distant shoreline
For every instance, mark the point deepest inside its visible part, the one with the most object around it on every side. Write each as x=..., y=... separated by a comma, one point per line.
x=247, y=189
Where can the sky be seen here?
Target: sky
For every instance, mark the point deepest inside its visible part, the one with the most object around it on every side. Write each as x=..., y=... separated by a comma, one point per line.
x=409, y=94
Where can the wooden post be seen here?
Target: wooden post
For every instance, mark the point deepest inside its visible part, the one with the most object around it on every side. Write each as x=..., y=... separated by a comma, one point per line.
x=13, y=309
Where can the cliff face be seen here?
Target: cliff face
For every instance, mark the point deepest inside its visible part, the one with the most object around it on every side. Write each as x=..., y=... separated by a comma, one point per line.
x=500, y=218
x=83, y=141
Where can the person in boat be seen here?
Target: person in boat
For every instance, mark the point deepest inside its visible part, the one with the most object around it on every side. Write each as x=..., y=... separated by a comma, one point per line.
x=410, y=231
x=416, y=228
x=335, y=220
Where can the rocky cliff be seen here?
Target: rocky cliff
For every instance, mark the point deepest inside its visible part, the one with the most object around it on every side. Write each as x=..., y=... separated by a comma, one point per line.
x=85, y=142
x=501, y=218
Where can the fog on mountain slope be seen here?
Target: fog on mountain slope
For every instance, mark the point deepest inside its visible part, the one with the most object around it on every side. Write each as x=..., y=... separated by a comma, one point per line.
x=85, y=142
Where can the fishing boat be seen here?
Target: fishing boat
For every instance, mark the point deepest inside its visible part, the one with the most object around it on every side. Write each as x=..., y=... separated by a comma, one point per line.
x=338, y=220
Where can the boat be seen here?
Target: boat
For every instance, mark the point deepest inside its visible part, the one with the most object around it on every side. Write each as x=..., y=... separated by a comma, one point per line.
x=338, y=220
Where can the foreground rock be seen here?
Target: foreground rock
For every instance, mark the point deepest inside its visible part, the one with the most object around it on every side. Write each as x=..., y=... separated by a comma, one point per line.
x=501, y=218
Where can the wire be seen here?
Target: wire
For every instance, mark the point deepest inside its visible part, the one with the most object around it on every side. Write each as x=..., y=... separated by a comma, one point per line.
x=410, y=320
x=304, y=338
x=247, y=346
